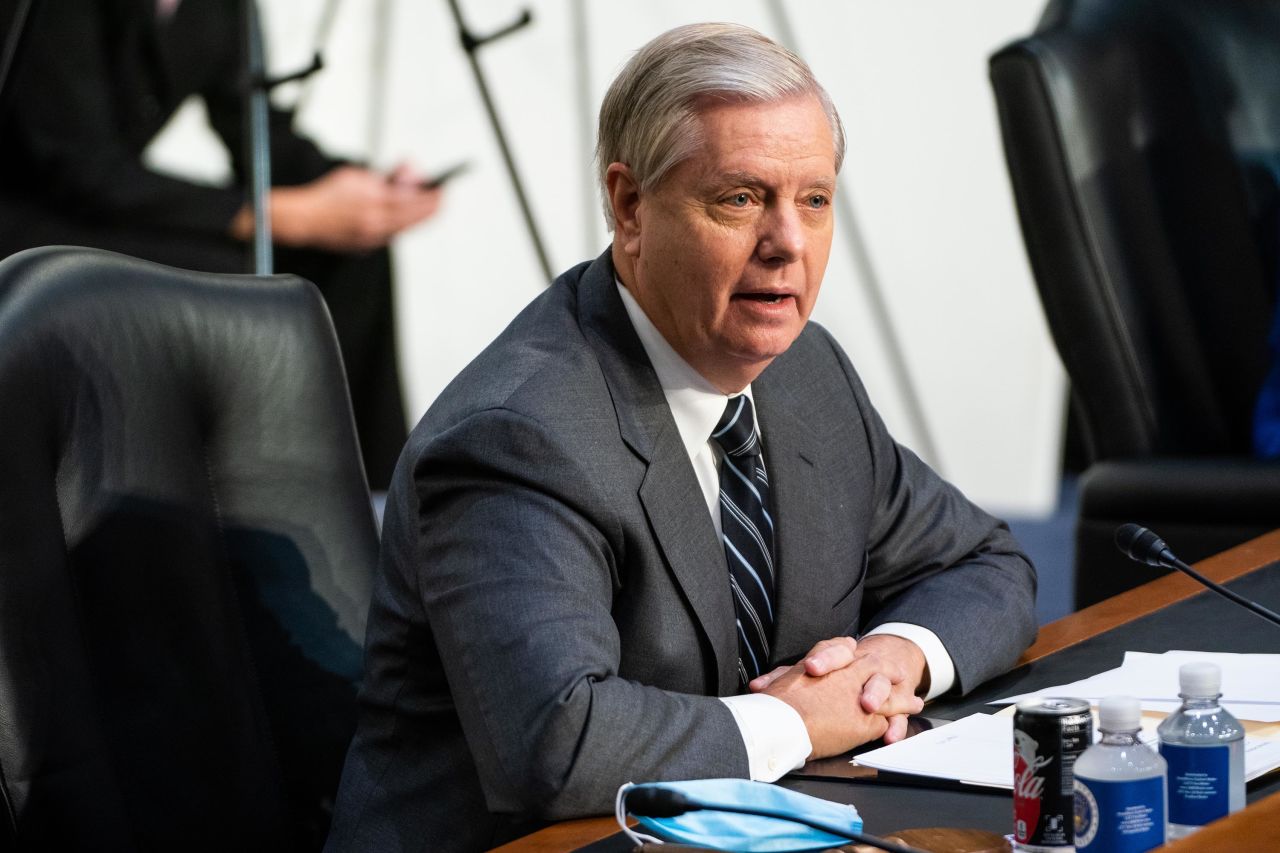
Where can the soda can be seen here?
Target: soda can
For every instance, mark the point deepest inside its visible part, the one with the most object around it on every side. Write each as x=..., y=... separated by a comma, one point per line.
x=1048, y=735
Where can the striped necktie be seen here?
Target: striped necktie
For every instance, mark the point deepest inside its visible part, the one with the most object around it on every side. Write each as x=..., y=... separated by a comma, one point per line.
x=747, y=531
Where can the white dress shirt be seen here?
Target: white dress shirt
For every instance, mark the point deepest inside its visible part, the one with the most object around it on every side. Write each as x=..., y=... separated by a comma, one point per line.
x=772, y=731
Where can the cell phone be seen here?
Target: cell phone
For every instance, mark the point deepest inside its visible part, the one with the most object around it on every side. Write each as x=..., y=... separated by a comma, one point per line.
x=439, y=179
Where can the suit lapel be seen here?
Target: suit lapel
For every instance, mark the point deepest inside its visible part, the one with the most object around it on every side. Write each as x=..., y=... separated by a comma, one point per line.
x=793, y=457
x=678, y=514
x=670, y=495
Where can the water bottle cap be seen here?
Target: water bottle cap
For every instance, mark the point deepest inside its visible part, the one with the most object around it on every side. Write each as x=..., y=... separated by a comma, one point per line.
x=1119, y=714
x=1200, y=679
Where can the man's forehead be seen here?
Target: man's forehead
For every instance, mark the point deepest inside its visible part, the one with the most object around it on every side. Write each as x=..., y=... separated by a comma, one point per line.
x=753, y=142
x=800, y=121
x=818, y=177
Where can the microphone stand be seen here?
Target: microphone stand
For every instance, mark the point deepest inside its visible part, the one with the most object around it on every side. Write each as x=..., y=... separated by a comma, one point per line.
x=1252, y=606
x=257, y=111
x=470, y=44
x=1141, y=545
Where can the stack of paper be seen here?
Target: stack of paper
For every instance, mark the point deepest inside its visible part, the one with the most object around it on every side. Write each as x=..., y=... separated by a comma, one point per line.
x=1250, y=683
x=978, y=750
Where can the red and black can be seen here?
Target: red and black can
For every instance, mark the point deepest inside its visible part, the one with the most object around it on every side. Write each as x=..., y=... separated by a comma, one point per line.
x=1048, y=736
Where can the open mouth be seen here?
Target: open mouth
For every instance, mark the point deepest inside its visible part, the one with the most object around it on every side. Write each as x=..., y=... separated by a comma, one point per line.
x=766, y=298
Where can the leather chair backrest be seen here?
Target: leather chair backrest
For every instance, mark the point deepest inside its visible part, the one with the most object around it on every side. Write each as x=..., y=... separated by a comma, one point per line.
x=186, y=552
x=1143, y=141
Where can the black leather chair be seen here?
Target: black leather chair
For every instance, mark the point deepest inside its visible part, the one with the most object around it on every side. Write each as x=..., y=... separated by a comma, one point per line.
x=186, y=552
x=1140, y=137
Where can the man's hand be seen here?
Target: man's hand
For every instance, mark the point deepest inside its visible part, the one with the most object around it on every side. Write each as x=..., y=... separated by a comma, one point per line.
x=348, y=209
x=848, y=689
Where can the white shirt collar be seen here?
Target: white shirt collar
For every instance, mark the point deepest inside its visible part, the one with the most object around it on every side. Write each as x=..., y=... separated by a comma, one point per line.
x=696, y=404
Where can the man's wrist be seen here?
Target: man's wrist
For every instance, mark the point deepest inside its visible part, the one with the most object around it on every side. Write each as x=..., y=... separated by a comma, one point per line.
x=773, y=734
x=939, y=673
x=241, y=227
x=291, y=216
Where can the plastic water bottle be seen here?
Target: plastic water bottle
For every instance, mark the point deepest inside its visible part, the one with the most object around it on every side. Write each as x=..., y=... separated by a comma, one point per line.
x=1204, y=747
x=1119, y=785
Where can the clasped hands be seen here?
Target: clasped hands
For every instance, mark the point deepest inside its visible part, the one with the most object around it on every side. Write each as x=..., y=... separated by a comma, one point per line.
x=849, y=691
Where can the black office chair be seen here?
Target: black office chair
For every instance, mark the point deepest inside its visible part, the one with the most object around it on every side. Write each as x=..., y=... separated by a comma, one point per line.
x=1140, y=137
x=186, y=551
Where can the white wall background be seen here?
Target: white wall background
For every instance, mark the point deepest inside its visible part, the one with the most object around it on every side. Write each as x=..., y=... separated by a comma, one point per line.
x=924, y=171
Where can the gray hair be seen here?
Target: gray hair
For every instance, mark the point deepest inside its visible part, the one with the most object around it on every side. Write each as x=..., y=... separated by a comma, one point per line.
x=649, y=116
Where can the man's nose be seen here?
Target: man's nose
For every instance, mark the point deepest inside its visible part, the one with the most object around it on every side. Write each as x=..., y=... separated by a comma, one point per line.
x=781, y=235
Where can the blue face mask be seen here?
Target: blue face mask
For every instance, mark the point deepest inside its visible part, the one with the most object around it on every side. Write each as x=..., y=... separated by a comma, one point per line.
x=721, y=830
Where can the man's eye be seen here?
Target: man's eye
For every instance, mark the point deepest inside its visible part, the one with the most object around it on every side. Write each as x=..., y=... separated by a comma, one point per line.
x=739, y=199
x=818, y=202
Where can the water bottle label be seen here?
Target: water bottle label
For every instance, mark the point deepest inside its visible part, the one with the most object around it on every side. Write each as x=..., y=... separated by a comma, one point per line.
x=1198, y=782
x=1119, y=817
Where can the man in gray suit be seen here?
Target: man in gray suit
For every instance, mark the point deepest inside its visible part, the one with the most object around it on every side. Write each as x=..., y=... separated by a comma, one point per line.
x=635, y=539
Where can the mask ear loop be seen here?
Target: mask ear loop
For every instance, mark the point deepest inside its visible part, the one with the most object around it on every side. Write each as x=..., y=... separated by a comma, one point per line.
x=620, y=812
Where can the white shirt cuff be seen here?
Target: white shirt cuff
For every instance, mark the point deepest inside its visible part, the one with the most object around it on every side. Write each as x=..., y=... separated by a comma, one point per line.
x=775, y=737
x=942, y=671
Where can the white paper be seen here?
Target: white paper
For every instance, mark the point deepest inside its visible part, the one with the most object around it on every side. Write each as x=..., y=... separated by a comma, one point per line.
x=1250, y=683
x=978, y=750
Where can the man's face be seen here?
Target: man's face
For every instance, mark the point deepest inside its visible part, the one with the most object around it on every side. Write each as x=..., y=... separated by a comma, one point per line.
x=727, y=254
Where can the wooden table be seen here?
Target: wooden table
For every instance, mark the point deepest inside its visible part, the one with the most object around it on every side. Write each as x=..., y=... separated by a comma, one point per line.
x=1255, y=828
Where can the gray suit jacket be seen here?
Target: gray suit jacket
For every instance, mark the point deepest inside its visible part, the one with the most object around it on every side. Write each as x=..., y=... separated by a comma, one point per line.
x=553, y=616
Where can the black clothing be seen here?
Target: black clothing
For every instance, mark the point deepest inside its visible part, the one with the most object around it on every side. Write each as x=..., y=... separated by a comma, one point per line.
x=93, y=84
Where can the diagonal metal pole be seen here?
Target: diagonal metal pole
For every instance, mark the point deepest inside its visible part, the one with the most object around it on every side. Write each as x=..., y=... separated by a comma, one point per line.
x=470, y=44
x=848, y=220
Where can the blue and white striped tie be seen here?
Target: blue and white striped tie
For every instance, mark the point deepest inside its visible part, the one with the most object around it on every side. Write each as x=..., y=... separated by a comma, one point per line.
x=747, y=531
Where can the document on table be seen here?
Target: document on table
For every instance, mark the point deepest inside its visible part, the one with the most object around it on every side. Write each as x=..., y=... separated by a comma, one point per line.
x=978, y=750
x=1250, y=683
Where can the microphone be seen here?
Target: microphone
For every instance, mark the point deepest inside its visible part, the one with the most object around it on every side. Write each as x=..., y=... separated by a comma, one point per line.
x=659, y=802
x=1140, y=544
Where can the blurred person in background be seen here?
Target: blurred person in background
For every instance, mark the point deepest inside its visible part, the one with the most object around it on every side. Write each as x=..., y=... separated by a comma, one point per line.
x=96, y=80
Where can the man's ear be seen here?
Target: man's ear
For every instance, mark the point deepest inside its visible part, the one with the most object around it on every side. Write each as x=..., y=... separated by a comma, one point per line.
x=624, y=201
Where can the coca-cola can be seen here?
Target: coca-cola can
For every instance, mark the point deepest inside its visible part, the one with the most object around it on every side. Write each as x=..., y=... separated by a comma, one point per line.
x=1048, y=736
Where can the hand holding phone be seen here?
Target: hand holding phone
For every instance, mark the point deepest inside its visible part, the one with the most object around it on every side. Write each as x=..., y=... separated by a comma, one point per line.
x=441, y=178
